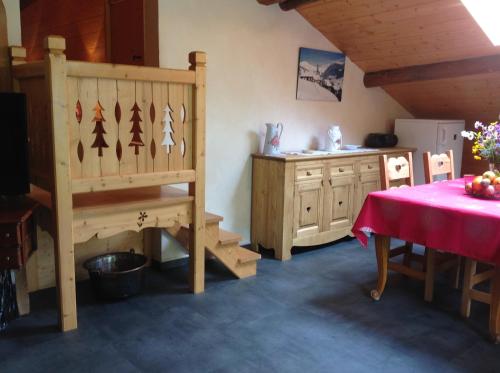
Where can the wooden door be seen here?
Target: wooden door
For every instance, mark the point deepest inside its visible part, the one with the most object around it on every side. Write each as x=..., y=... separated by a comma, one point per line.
x=126, y=31
x=368, y=182
x=308, y=206
x=339, y=204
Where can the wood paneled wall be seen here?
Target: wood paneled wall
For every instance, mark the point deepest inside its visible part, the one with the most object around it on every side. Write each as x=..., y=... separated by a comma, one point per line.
x=82, y=23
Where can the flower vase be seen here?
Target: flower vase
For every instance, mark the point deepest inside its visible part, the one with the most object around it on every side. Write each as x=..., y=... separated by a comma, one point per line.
x=494, y=166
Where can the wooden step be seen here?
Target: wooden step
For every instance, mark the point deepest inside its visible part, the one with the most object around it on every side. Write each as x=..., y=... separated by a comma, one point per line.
x=228, y=238
x=246, y=256
x=209, y=219
x=212, y=218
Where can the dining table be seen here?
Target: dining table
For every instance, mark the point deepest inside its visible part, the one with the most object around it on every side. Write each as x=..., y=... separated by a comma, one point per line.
x=439, y=216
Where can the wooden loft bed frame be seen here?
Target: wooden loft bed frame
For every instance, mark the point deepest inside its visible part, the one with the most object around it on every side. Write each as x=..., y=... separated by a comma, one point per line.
x=105, y=142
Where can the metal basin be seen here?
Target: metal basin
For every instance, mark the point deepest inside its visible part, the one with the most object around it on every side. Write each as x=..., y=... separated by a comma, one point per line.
x=116, y=275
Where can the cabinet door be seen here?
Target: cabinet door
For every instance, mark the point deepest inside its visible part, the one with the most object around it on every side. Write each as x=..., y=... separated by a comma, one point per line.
x=308, y=208
x=339, y=205
x=368, y=182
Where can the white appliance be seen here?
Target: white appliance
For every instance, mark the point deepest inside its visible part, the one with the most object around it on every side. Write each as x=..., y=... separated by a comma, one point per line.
x=429, y=135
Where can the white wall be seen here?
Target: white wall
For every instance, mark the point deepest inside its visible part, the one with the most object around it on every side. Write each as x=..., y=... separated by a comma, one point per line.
x=13, y=21
x=252, y=54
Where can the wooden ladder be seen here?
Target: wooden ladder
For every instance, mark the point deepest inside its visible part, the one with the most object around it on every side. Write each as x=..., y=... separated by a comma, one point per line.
x=224, y=245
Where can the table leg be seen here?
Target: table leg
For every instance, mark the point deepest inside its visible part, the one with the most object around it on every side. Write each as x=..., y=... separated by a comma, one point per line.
x=430, y=268
x=495, y=306
x=382, y=246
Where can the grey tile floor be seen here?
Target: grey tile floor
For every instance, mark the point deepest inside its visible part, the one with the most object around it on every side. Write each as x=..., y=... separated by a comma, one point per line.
x=310, y=314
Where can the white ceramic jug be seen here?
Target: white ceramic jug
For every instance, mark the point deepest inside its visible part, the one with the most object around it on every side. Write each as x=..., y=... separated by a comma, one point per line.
x=273, y=136
x=334, y=141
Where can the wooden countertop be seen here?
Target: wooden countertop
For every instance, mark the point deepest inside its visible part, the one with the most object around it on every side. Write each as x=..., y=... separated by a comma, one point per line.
x=341, y=154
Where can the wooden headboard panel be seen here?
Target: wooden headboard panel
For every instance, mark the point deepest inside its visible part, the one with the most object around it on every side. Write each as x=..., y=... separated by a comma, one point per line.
x=117, y=126
x=126, y=120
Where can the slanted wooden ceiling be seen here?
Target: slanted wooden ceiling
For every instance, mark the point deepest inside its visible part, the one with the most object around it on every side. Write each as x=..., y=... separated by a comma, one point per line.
x=392, y=34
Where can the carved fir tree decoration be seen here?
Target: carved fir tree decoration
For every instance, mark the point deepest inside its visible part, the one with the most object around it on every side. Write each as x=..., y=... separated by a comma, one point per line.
x=99, y=131
x=136, y=129
x=167, y=129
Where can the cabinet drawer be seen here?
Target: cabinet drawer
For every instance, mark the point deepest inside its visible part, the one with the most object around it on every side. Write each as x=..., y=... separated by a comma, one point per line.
x=337, y=170
x=8, y=235
x=369, y=166
x=10, y=258
x=308, y=171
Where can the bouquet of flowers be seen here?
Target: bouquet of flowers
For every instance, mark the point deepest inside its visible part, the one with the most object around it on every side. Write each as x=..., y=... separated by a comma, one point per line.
x=486, y=141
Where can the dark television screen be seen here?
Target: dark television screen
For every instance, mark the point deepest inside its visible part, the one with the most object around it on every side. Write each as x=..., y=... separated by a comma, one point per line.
x=14, y=179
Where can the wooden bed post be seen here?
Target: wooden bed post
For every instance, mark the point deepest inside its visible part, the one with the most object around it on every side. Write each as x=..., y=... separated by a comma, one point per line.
x=62, y=204
x=197, y=62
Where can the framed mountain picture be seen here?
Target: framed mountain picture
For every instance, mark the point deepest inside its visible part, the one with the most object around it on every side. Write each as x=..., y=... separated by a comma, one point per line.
x=320, y=75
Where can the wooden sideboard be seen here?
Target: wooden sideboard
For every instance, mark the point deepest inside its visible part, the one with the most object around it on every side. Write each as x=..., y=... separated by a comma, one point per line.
x=304, y=200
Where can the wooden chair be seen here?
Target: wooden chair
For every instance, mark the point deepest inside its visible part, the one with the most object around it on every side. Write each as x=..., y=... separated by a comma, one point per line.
x=472, y=278
x=397, y=172
x=107, y=140
x=438, y=164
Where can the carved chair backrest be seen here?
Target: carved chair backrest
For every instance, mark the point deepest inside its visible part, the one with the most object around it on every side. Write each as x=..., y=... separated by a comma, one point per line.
x=438, y=164
x=396, y=169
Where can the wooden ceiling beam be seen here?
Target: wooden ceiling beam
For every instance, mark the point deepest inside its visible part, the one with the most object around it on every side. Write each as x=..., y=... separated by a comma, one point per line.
x=286, y=4
x=434, y=71
x=268, y=2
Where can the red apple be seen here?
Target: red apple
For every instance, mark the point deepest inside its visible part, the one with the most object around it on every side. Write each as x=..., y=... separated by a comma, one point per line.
x=496, y=184
x=476, y=185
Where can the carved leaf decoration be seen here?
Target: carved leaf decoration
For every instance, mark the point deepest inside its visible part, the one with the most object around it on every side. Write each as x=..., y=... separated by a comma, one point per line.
x=152, y=113
x=119, y=150
x=183, y=147
x=183, y=114
x=78, y=111
x=153, y=148
x=118, y=112
x=79, y=151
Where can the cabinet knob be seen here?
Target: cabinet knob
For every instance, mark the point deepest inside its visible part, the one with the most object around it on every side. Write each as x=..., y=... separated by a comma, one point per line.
x=340, y=203
x=308, y=209
x=370, y=166
x=341, y=169
x=7, y=235
x=330, y=181
x=308, y=173
x=7, y=258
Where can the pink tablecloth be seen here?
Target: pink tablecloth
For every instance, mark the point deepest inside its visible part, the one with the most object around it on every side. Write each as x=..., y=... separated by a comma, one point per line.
x=439, y=216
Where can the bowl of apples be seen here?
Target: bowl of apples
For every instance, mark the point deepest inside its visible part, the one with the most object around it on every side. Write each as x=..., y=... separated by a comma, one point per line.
x=485, y=186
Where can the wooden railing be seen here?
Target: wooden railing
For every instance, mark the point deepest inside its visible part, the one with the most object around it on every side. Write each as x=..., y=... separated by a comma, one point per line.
x=127, y=126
